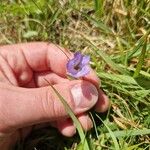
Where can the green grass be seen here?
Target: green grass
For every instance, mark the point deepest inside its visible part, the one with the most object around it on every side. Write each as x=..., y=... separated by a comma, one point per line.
x=83, y=143
x=116, y=35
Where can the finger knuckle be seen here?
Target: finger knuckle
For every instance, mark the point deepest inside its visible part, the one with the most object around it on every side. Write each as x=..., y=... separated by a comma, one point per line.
x=48, y=105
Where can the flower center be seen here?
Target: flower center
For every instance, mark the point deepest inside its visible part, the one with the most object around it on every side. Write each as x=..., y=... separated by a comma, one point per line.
x=77, y=67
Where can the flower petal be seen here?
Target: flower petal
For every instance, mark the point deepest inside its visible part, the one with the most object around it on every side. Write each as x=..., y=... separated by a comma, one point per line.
x=70, y=67
x=78, y=54
x=77, y=58
x=85, y=60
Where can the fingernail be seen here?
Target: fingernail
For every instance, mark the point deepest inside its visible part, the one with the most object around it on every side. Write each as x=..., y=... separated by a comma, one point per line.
x=85, y=96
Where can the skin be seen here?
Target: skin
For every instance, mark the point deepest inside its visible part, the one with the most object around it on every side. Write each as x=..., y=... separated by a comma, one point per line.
x=27, y=100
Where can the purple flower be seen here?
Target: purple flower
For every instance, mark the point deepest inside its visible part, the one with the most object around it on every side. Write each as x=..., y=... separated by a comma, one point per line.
x=79, y=65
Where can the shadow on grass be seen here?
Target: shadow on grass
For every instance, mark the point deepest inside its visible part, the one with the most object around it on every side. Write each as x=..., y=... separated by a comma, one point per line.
x=46, y=139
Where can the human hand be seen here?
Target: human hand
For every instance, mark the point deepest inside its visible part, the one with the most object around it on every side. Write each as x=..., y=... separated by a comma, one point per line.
x=27, y=100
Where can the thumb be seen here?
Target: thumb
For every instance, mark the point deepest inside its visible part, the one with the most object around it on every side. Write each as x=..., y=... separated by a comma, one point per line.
x=22, y=107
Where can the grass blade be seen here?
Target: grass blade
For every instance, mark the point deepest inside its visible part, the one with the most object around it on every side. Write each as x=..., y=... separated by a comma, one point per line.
x=73, y=117
x=127, y=133
x=94, y=124
x=142, y=72
x=111, y=134
x=141, y=60
x=136, y=48
x=124, y=79
x=97, y=23
x=99, y=7
x=133, y=147
x=54, y=17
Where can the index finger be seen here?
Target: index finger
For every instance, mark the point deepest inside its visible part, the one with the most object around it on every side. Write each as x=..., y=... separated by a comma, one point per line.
x=41, y=56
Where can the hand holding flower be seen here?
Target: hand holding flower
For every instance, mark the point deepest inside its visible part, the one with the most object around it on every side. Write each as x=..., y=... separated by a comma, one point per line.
x=27, y=100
